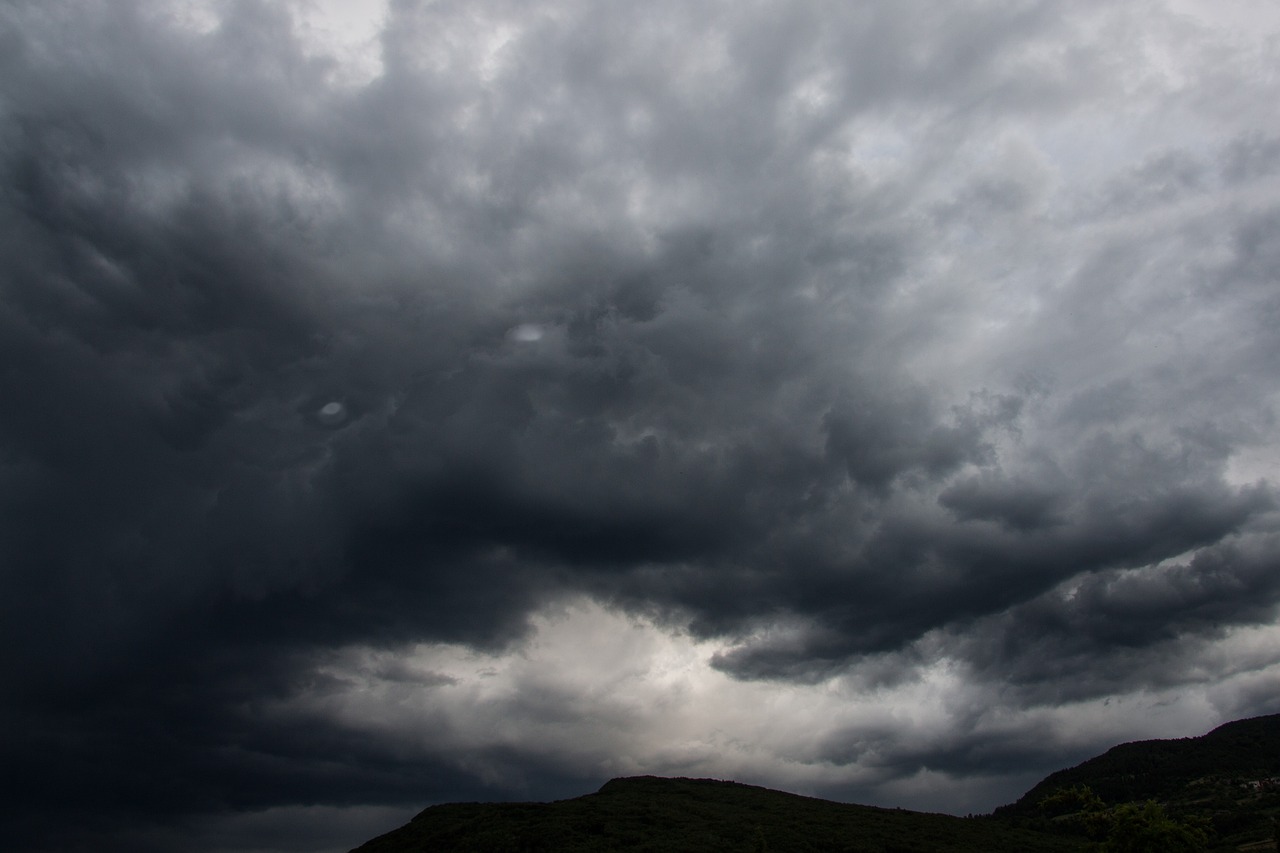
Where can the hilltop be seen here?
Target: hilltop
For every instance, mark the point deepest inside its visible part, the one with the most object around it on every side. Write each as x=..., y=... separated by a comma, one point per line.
x=696, y=815
x=1246, y=750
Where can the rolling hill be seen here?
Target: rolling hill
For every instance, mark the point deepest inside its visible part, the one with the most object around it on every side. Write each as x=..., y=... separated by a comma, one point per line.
x=1227, y=781
x=697, y=815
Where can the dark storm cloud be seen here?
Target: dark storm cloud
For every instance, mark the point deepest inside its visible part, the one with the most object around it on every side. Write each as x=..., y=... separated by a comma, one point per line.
x=1114, y=628
x=961, y=752
x=291, y=366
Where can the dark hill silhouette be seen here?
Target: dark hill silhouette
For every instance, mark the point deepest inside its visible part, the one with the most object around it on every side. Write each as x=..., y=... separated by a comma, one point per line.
x=1227, y=781
x=1160, y=769
x=647, y=813
x=1228, y=778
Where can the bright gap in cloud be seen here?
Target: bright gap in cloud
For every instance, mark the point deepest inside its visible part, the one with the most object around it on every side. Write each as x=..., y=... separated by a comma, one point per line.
x=603, y=694
x=347, y=32
x=527, y=333
x=1248, y=465
x=595, y=694
x=332, y=413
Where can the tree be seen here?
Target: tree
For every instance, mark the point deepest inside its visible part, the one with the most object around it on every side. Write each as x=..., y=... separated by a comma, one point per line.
x=1126, y=828
x=1148, y=828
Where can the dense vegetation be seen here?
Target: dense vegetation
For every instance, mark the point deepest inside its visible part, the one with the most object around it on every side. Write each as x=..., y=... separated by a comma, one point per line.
x=1227, y=782
x=1158, y=769
x=1218, y=792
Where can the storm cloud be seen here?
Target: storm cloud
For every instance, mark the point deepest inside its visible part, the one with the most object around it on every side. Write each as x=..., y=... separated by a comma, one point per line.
x=407, y=402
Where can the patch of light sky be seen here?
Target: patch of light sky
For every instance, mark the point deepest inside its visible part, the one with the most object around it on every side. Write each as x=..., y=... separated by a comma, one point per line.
x=605, y=694
x=1250, y=464
x=345, y=31
x=1256, y=16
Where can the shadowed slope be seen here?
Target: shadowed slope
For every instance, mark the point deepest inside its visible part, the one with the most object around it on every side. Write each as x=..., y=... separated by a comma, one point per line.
x=650, y=813
x=1228, y=778
x=1158, y=769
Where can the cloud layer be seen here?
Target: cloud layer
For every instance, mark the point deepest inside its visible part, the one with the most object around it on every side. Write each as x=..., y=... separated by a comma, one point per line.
x=410, y=402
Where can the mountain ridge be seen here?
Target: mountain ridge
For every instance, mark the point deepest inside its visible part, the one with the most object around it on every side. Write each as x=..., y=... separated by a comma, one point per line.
x=1151, y=769
x=683, y=815
x=1218, y=780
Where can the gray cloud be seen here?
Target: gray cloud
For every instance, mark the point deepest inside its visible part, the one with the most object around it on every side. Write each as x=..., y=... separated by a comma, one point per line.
x=840, y=346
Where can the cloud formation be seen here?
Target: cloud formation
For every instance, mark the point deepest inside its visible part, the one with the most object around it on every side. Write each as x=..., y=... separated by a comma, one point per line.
x=413, y=402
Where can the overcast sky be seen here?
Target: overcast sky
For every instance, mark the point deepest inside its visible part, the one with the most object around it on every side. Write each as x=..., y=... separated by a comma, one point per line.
x=404, y=402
